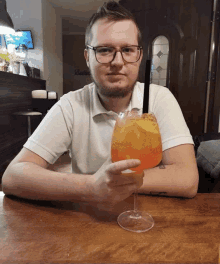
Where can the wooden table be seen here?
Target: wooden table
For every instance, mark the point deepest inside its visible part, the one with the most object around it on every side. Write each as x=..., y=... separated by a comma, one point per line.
x=185, y=231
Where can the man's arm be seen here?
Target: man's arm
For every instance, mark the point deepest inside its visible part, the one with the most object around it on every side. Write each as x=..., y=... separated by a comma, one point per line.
x=27, y=176
x=178, y=178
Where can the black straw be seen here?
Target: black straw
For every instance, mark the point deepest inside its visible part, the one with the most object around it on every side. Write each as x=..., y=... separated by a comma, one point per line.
x=147, y=86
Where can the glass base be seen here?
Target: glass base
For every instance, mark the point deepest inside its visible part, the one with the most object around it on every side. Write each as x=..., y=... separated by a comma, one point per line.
x=136, y=221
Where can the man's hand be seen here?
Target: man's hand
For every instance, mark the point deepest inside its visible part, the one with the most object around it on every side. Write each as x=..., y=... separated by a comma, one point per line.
x=111, y=186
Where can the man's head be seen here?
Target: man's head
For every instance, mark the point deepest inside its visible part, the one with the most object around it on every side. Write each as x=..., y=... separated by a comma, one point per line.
x=115, y=27
x=112, y=11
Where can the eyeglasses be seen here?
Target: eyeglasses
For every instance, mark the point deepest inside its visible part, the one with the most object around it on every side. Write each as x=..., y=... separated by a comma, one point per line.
x=107, y=54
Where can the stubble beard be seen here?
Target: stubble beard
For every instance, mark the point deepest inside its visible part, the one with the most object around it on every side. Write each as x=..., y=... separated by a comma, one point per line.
x=110, y=92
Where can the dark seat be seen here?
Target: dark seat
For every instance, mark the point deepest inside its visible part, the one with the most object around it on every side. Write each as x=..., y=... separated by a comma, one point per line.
x=207, y=183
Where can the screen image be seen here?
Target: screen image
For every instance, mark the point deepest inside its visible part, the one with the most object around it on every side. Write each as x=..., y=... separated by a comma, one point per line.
x=20, y=37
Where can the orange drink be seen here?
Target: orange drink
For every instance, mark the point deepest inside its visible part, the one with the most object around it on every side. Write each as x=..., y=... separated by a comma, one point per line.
x=137, y=137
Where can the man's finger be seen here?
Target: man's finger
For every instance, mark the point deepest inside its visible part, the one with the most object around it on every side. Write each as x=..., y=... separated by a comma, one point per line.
x=119, y=166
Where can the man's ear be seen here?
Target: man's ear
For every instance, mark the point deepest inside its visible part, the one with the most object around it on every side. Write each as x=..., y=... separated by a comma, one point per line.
x=86, y=55
x=141, y=56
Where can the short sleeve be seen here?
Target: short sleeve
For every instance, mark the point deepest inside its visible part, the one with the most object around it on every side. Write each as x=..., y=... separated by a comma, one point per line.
x=173, y=128
x=53, y=135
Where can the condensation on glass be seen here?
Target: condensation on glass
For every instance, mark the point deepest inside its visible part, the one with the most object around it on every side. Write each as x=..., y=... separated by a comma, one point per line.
x=160, y=52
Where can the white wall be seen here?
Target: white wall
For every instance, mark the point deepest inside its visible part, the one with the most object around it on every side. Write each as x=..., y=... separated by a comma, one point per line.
x=45, y=23
x=52, y=47
x=27, y=14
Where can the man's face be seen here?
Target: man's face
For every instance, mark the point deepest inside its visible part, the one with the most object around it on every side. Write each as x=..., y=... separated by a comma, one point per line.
x=115, y=79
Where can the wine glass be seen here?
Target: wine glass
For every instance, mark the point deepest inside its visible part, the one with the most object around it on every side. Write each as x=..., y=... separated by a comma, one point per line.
x=136, y=136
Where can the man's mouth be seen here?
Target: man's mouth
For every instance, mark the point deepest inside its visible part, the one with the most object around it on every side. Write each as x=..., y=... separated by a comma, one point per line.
x=116, y=73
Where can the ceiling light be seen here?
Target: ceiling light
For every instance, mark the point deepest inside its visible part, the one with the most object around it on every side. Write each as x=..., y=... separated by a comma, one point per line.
x=6, y=24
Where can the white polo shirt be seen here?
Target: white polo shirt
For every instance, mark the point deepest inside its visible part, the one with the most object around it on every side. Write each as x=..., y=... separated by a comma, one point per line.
x=78, y=122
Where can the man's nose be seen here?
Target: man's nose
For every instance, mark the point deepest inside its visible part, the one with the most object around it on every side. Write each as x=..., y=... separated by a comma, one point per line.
x=118, y=59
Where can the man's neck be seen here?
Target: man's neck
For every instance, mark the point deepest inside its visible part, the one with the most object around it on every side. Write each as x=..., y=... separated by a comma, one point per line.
x=116, y=105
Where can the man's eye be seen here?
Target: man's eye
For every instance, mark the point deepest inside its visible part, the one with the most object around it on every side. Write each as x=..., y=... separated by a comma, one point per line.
x=128, y=50
x=104, y=50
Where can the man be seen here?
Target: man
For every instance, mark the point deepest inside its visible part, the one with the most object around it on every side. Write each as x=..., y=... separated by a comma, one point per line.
x=83, y=121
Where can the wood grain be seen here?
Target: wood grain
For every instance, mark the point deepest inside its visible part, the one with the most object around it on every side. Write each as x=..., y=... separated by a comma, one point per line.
x=185, y=231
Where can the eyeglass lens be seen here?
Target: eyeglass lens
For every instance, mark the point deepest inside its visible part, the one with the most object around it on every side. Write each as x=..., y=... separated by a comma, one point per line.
x=106, y=54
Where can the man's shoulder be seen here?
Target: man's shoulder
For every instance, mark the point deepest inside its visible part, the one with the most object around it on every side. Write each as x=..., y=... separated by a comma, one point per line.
x=80, y=96
x=154, y=88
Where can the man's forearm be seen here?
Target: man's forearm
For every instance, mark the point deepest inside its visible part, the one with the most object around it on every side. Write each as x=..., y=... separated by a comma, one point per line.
x=171, y=180
x=29, y=180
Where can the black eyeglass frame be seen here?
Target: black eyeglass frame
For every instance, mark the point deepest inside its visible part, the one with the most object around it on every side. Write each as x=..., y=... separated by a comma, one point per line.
x=95, y=48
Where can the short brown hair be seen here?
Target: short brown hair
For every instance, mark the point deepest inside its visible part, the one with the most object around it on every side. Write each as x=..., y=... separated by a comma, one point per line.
x=112, y=11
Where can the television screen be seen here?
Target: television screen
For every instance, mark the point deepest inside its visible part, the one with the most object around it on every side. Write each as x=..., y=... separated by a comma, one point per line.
x=18, y=38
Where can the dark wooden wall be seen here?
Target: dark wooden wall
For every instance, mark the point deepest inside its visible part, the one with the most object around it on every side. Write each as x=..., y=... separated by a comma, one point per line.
x=15, y=95
x=75, y=71
x=187, y=26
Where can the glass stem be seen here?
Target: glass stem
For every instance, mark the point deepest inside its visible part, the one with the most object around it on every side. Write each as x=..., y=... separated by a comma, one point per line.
x=135, y=202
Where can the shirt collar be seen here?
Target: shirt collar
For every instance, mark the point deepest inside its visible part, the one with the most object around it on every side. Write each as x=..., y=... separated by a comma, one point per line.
x=135, y=103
